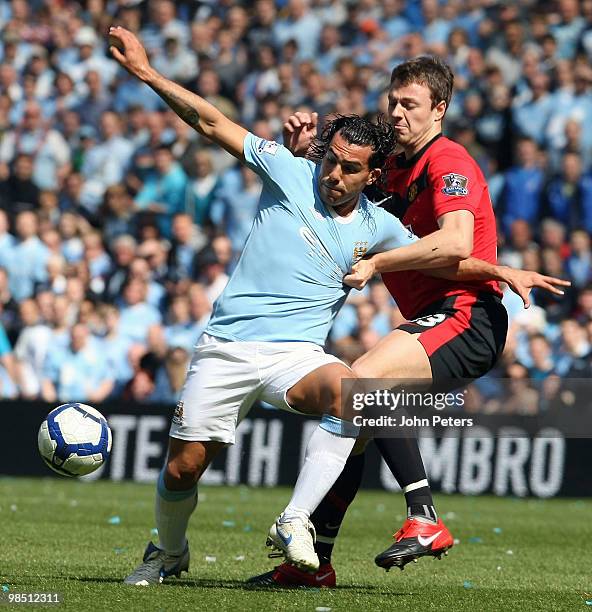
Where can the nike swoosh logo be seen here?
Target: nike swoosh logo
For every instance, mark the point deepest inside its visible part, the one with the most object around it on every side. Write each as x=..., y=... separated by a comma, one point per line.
x=332, y=527
x=427, y=541
x=319, y=578
x=284, y=539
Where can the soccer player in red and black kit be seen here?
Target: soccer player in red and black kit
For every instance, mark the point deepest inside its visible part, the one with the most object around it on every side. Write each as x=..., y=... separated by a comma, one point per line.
x=456, y=329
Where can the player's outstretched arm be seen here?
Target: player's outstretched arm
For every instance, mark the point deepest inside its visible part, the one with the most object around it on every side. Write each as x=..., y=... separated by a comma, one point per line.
x=452, y=243
x=521, y=282
x=194, y=110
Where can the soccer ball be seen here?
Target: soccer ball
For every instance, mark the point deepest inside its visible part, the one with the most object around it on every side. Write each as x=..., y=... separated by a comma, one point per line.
x=74, y=439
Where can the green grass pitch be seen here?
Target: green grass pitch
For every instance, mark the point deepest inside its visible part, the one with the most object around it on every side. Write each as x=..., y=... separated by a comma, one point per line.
x=81, y=538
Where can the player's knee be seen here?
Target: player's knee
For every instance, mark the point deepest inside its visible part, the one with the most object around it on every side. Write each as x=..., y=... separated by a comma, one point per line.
x=183, y=471
x=335, y=394
x=362, y=367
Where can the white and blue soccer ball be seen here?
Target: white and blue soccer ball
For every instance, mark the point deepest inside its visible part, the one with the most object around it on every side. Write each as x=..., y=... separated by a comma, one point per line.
x=74, y=439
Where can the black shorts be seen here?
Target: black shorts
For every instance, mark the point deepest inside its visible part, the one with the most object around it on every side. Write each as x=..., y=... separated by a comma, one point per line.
x=463, y=335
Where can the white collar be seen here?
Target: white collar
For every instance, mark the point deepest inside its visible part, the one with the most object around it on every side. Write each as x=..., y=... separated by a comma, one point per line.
x=348, y=218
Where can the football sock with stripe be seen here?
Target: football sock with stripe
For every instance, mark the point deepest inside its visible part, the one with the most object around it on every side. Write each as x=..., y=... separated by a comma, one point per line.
x=404, y=460
x=173, y=510
x=326, y=454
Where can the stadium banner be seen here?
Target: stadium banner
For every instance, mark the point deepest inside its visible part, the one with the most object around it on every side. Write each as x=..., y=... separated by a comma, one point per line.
x=270, y=447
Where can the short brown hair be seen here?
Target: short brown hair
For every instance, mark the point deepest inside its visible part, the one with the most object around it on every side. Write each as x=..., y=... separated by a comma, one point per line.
x=429, y=71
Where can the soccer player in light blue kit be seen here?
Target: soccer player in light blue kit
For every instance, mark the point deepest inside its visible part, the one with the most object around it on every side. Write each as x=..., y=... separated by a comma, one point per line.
x=264, y=339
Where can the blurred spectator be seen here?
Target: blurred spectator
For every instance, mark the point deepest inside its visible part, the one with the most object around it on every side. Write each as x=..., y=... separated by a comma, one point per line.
x=140, y=269
x=531, y=115
x=562, y=194
x=200, y=308
x=299, y=25
x=117, y=212
x=235, y=205
x=211, y=273
x=542, y=358
x=8, y=371
x=69, y=196
x=568, y=31
x=209, y=88
x=124, y=251
x=179, y=329
x=96, y=101
x=78, y=372
x=494, y=125
x=170, y=376
x=31, y=349
x=44, y=144
x=202, y=190
x=115, y=347
x=508, y=55
x=523, y=186
x=175, y=61
x=187, y=240
x=69, y=228
x=97, y=260
x=574, y=356
x=231, y=61
x=163, y=23
x=8, y=307
x=579, y=264
x=261, y=31
x=19, y=191
x=28, y=258
x=90, y=58
x=137, y=315
x=105, y=163
x=7, y=241
x=163, y=191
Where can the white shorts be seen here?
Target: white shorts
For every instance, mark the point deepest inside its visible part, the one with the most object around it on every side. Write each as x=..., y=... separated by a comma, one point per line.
x=225, y=378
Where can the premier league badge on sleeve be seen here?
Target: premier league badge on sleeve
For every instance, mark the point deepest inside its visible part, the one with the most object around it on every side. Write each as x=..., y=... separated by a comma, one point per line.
x=267, y=146
x=455, y=184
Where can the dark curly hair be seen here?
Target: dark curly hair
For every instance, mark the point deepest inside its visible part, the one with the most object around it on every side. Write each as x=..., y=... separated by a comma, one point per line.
x=358, y=131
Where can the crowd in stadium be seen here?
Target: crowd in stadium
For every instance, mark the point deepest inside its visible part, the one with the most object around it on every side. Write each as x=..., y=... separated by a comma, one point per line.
x=119, y=226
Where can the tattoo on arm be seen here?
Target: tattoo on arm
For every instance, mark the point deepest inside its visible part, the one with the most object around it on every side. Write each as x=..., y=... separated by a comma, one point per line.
x=182, y=108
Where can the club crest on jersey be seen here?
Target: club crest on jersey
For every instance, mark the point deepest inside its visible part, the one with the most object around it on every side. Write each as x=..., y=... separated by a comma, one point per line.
x=412, y=192
x=455, y=184
x=360, y=249
x=178, y=414
x=267, y=146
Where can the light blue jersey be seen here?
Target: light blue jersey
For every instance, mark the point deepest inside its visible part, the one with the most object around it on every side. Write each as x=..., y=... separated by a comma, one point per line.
x=288, y=284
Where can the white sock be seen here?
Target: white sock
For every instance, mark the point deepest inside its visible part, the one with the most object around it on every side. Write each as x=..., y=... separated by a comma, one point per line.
x=326, y=454
x=173, y=509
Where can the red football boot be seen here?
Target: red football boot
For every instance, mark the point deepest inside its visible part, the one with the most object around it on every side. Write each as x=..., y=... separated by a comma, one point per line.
x=288, y=576
x=417, y=538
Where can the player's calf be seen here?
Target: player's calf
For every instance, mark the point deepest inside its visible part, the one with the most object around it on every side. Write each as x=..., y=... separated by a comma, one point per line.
x=176, y=499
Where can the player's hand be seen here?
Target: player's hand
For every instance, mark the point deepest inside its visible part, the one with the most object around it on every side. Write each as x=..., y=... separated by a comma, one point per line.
x=128, y=51
x=522, y=282
x=299, y=132
x=361, y=273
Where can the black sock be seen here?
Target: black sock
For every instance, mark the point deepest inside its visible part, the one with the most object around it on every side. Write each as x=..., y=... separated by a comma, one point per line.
x=404, y=460
x=329, y=514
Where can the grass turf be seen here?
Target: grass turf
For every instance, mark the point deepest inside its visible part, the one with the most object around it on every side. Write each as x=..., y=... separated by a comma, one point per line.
x=81, y=538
